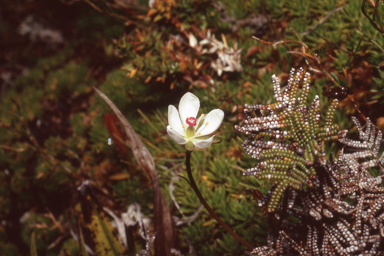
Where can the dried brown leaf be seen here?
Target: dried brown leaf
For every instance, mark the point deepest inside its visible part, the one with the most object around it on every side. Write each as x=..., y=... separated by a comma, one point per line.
x=165, y=235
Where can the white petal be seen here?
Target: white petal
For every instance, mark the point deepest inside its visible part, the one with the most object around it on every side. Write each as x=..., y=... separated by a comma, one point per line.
x=175, y=136
x=203, y=143
x=213, y=49
x=174, y=120
x=204, y=41
x=228, y=69
x=192, y=40
x=214, y=120
x=188, y=107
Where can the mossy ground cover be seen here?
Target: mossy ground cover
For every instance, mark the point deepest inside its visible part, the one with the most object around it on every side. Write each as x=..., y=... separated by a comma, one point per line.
x=56, y=132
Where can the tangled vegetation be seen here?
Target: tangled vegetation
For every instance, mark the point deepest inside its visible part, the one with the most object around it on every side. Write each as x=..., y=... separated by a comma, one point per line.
x=336, y=205
x=68, y=161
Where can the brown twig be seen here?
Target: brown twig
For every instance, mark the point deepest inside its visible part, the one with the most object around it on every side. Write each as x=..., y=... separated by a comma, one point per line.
x=280, y=42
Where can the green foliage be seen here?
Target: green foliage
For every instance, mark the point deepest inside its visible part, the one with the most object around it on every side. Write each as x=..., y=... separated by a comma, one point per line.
x=374, y=14
x=54, y=135
x=288, y=138
x=35, y=231
x=66, y=80
x=104, y=240
x=33, y=244
x=71, y=247
x=8, y=249
x=82, y=246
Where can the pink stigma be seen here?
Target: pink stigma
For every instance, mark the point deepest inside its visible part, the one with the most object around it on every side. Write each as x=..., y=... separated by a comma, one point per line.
x=191, y=121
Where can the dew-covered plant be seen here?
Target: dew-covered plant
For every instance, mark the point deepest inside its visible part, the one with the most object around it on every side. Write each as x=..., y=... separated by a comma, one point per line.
x=318, y=206
x=287, y=136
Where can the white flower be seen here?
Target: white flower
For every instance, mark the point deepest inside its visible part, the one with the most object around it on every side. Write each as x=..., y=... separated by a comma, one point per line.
x=185, y=129
x=192, y=40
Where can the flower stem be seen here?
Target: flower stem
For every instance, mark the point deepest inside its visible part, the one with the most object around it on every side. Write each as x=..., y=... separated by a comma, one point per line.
x=209, y=209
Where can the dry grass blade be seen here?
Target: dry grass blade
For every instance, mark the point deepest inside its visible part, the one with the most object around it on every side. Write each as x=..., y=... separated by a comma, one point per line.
x=280, y=42
x=141, y=153
x=163, y=221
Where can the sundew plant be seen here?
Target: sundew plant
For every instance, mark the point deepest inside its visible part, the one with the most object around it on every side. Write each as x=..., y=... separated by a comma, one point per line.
x=191, y=127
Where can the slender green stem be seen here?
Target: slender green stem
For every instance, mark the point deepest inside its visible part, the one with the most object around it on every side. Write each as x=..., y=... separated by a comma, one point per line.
x=209, y=209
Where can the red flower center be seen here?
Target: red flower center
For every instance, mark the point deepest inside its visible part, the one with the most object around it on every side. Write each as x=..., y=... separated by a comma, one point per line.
x=191, y=121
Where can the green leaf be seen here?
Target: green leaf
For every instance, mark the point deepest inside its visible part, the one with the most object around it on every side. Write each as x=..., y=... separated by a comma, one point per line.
x=33, y=244
x=165, y=137
x=106, y=243
x=83, y=251
x=216, y=140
